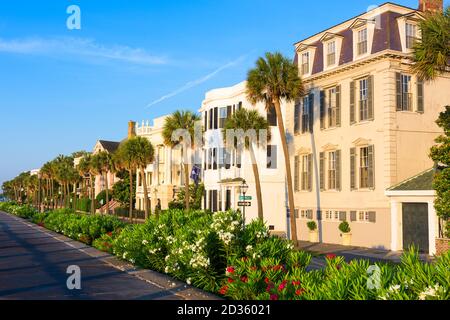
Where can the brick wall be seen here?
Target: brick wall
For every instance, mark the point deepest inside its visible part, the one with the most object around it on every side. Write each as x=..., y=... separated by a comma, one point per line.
x=442, y=246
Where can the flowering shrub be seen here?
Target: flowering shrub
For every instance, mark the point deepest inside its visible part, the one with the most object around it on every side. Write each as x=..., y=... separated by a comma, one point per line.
x=25, y=211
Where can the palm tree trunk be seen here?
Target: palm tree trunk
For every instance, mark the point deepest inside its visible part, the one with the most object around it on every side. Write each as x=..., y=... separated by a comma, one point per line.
x=131, y=196
x=144, y=183
x=257, y=183
x=107, y=192
x=92, y=195
x=75, y=196
x=186, y=186
x=288, y=171
x=52, y=183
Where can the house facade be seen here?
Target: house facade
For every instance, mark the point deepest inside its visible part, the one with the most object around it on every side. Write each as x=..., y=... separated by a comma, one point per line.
x=165, y=176
x=110, y=147
x=366, y=124
x=225, y=169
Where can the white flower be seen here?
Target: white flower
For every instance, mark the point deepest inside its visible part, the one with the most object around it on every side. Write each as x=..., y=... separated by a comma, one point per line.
x=145, y=242
x=189, y=281
x=166, y=270
x=167, y=258
x=125, y=255
x=249, y=248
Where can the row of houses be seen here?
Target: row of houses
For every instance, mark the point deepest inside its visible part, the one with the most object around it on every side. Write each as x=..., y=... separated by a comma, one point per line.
x=358, y=140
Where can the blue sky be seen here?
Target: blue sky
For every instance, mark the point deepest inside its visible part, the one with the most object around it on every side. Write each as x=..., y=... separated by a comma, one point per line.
x=61, y=90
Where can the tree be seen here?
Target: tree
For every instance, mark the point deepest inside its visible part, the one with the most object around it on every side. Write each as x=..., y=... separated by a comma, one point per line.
x=87, y=167
x=104, y=163
x=275, y=78
x=179, y=129
x=121, y=189
x=247, y=120
x=431, y=53
x=441, y=155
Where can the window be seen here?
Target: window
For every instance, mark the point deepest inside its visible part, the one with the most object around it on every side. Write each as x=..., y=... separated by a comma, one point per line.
x=332, y=110
x=331, y=53
x=362, y=42
x=272, y=116
x=305, y=63
x=149, y=179
x=332, y=170
x=297, y=112
x=297, y=173
x=216, y=118
x=363, y=100
x=223, y=115
x=410, y=35
x=305, y=114
x=363, y=216
x=306, y=173
x=405, y=94
x=271, y=157
x=364, y=168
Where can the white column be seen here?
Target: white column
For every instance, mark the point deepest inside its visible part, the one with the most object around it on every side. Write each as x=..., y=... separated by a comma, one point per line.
x=432, y=228
x=394, y=225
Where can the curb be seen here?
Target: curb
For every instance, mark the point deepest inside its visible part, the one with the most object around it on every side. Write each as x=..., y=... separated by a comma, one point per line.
x=162, y=281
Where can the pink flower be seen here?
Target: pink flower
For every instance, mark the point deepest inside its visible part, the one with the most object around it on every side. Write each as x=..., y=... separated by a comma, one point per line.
x=230, y=280
x=267, y=280
x=230, y=270
x=282, y=286
x=299, y=292
x=331, y=256
x=244, y=279
x=296, y=283
x=273, y=297
x=223, y=291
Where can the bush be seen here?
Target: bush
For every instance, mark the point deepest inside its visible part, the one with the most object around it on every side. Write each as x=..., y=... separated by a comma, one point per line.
x=312, y=225
x=101, y=198
x=344, y=227
x=84, y=205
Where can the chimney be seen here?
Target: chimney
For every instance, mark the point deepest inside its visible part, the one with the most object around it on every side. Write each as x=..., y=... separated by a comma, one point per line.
x=431, y=5
x=131, y=129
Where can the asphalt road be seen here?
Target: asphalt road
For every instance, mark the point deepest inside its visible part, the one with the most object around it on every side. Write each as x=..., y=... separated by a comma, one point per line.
x=33, y=266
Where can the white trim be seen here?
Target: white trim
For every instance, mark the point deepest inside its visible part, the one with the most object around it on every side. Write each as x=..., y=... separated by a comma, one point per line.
x=394, y=225
x=410, y=193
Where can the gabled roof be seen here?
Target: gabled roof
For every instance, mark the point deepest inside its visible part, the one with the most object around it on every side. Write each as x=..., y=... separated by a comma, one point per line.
x=110, y=146
x=421, y=182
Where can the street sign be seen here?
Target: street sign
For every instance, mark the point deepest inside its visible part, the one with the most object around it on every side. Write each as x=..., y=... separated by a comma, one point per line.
x=244, y=204
x=245, y=198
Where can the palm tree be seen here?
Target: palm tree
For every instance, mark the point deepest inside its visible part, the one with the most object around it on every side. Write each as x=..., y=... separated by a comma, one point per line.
x=275, y=78
x=249, y=120
x=125, y=159
x=181, y=120
x=431, y=54
x=105, y=164
x=85, y=167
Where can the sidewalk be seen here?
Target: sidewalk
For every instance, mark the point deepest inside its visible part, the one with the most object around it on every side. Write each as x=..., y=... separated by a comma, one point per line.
x=352, y=253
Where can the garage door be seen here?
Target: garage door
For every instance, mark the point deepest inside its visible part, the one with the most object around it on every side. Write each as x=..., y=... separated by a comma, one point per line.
x=415, y=226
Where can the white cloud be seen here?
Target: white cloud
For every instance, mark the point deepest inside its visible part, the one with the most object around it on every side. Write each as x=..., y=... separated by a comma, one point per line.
x=197, y=82
x=81, y=48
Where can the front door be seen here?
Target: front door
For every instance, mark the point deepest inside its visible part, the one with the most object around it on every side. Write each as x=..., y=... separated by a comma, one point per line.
x=415, y=226
x=228, y=200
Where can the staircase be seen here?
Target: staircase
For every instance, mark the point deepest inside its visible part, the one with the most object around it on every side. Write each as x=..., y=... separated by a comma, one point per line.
x=113, y=204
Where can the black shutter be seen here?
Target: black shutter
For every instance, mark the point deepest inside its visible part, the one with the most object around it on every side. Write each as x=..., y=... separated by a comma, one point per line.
x=206, y=120
x=353, y=168
x=322, y=109
x=338, y=106
x=229, y=112
x=372, y=216
x=352, y=216
x=311, y=112
x=420, y=100
x=210, y=200
x=398, y=78
x=310, y=169
x=319, y=215
x=214, y=201
x=338, y=170
x=211, y=114
x=370, y=88
x=204, y=200
x=216, y=118
x=297, y=117
x=372, y=167
x=352, y=103
x=296, y=173
x=322, y=171
x=214, y=155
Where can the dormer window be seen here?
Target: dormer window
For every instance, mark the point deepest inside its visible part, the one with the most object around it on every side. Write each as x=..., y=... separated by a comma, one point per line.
x=331, y=53
x=362, y=41
x=305, y=63
x=410, y=35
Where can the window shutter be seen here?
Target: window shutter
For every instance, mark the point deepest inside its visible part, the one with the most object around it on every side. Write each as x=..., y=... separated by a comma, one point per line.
x=216, y=118
x=319, y=215
x=214, y=201
x=398, y=77
x=372, y=167
x=322, y=171
x=420, y=102
x=322, y=109
x=229, y=111
x=296, y=173
x=211, y=113
x=370, y=86
x=352, y=102
x=311, y=112
x=206, y=120
x=352, y=216
x=342, y=216
x=297, y=117
x=338, y=106
x=353, y=168
x=338, y=170
x=310, y=214
x=310, y=169
x=372, y=216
